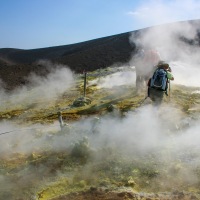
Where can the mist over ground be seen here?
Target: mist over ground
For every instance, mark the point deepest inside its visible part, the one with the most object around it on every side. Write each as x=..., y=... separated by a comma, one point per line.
x=165, y=134
x=39, y=89
x=168, y=142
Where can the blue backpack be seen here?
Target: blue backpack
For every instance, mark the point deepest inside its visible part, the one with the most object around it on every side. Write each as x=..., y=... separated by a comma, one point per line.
x=159, y=80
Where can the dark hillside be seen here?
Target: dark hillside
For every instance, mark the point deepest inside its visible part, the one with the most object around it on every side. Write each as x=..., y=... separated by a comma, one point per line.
x=100, y=54
x=16, y=64
x=117, y=45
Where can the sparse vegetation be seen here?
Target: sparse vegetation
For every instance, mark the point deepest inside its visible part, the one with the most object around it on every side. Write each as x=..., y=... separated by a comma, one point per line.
x=47, y=173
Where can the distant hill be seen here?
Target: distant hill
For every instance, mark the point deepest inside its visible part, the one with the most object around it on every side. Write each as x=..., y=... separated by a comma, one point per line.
x=89, y=55
x=15, y=64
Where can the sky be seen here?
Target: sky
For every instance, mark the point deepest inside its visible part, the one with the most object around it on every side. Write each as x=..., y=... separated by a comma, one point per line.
x=31, y=24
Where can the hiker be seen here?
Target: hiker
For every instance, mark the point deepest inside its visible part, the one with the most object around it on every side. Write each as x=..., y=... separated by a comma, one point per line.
x=158, y=83
x=145, y=62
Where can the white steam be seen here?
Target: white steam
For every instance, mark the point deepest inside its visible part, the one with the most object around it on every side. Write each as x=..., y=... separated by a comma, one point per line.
x=169, y=39
x=182, y=56
x=40, y=89
x=134, y=133
x=118, y=76
x=155, y=12
x=186, y=73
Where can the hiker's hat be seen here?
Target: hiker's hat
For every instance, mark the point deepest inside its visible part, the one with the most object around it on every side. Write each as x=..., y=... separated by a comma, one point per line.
x=163, y=64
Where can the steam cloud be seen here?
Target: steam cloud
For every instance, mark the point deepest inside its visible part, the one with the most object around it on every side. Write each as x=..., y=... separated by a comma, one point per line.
x=40, y=89
x=170, y=39
x=123, y=75
x=134, y=136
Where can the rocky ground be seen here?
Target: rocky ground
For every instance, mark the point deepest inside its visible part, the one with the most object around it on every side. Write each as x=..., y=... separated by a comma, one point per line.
x=124, y=194
x=60, y=164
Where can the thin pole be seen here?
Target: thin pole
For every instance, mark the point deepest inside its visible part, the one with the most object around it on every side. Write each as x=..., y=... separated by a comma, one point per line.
x=60, y=120
x=85, y=78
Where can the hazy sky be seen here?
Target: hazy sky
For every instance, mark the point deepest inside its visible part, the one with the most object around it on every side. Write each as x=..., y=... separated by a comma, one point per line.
x=29, y=24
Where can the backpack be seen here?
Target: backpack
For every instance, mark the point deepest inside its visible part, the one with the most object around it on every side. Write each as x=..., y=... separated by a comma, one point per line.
x=159, y=80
